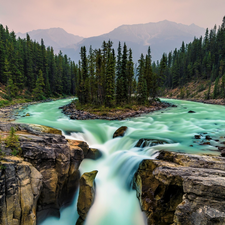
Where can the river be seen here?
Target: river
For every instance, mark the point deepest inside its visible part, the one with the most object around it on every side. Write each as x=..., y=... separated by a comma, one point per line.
x=116, y=202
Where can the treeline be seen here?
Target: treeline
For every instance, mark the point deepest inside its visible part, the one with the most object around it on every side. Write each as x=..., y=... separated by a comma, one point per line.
x=204, y=58
x=107, y=79
x=26, y=65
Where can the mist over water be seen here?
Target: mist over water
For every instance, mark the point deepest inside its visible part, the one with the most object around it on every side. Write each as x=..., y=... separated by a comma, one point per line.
x=116, y=202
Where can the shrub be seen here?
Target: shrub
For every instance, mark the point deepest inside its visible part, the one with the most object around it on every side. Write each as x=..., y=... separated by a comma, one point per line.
x=200, y=88
x=12, y=142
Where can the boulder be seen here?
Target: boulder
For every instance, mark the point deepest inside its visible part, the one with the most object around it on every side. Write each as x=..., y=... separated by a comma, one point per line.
x=191, y=111
x=182, y=189
x=81, y=144
x=120, y=132
x=144, y=142
x=93, y=153
x=86, y=193
x=197, y=136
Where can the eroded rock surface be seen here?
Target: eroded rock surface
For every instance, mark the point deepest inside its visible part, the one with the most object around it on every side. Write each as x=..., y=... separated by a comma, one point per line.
x=86, y=194
x=120, y=132
x=182, y=189
x=53, y=158
x=20, y=188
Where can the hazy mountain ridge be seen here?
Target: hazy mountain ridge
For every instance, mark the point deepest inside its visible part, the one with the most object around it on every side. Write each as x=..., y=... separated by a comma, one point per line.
x=163, y=36
x=56, y=37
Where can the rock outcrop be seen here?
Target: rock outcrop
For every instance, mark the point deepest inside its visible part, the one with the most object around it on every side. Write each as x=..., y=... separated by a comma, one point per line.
x=86, y=194
x=20, y=188
x=43, y=178
x=120, y=132
x=182, y=189
x=144, y=142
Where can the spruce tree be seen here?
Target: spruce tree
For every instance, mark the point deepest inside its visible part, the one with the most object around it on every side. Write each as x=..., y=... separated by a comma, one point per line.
x=110, y=79
x=11, y=90
x=124, y=81
x=38, y=90
x=142, y=85
x=216, y=88
x=118, y=75
x=130, y=74
x=148, y=71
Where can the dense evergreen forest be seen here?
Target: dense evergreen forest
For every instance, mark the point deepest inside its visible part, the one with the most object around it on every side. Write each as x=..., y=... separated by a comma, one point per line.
x=110, y=80
x=29, y=69
x=202, y=59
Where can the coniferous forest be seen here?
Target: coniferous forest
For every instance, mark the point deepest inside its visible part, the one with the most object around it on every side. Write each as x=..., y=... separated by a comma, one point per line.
x=202, y=59
x=99, y=78
x=103, y=78
x=107, y=79
x=30, y=67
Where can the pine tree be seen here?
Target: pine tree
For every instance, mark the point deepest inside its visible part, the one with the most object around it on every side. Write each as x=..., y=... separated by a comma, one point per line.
x=10, y=86
x=119, y=76
x=3, y=79
x=130, y=74
x=84, y=71
x=148, y=71
x=38, y=90
x=142, y=85
x=216, y=88
x=110, y=81
x=92, y=73
x=223, y=86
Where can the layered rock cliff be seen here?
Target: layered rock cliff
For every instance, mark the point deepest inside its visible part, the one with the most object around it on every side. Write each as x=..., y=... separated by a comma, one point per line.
x=182, y=189
x=44, y=176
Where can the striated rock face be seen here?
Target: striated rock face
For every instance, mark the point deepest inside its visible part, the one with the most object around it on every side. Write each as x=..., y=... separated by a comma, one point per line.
x=86, y=194
x=182, y=189
x=20, y=188
x=50, y=157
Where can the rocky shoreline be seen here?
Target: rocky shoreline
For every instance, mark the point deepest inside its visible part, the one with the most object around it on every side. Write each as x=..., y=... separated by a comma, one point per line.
x=182, y=189
x=210, y=101
x=7, y=113
x=74, y=114
x=175, y=188
x=43, y=178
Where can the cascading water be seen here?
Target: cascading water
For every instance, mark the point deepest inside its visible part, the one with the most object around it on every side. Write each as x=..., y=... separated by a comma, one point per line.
x=116, y=202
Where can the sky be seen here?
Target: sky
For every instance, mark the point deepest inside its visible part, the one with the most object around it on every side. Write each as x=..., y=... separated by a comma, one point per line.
x=88, y=18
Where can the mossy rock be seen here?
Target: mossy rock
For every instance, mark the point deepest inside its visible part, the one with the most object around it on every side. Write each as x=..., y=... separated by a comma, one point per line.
x=120, y=132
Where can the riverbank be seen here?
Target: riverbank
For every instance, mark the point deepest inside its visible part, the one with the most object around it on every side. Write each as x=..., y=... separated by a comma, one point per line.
x=111, y=114
x=209, y=101
x=7, y=113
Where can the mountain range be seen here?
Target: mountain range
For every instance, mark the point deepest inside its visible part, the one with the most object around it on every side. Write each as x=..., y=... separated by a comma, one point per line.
x=162, y=37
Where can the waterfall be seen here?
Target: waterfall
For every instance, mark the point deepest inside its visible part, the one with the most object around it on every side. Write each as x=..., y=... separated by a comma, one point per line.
x=115, y=202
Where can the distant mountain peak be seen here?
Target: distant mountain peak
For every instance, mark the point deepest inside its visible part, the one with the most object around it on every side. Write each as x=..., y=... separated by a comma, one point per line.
x=56, y=37
x=162, y=36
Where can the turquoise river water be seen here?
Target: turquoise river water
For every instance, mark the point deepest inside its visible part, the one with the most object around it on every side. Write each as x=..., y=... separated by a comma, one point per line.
x=115, y=201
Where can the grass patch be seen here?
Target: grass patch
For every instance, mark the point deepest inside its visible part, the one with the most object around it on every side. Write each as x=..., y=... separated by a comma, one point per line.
x=101, y=110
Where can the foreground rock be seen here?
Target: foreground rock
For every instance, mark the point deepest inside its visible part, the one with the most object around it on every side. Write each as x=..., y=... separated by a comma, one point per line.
x=144, y=142
x=43, y=178
x=182, y=189
x=120, y=132
x=86, y=194
x=20, y=188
